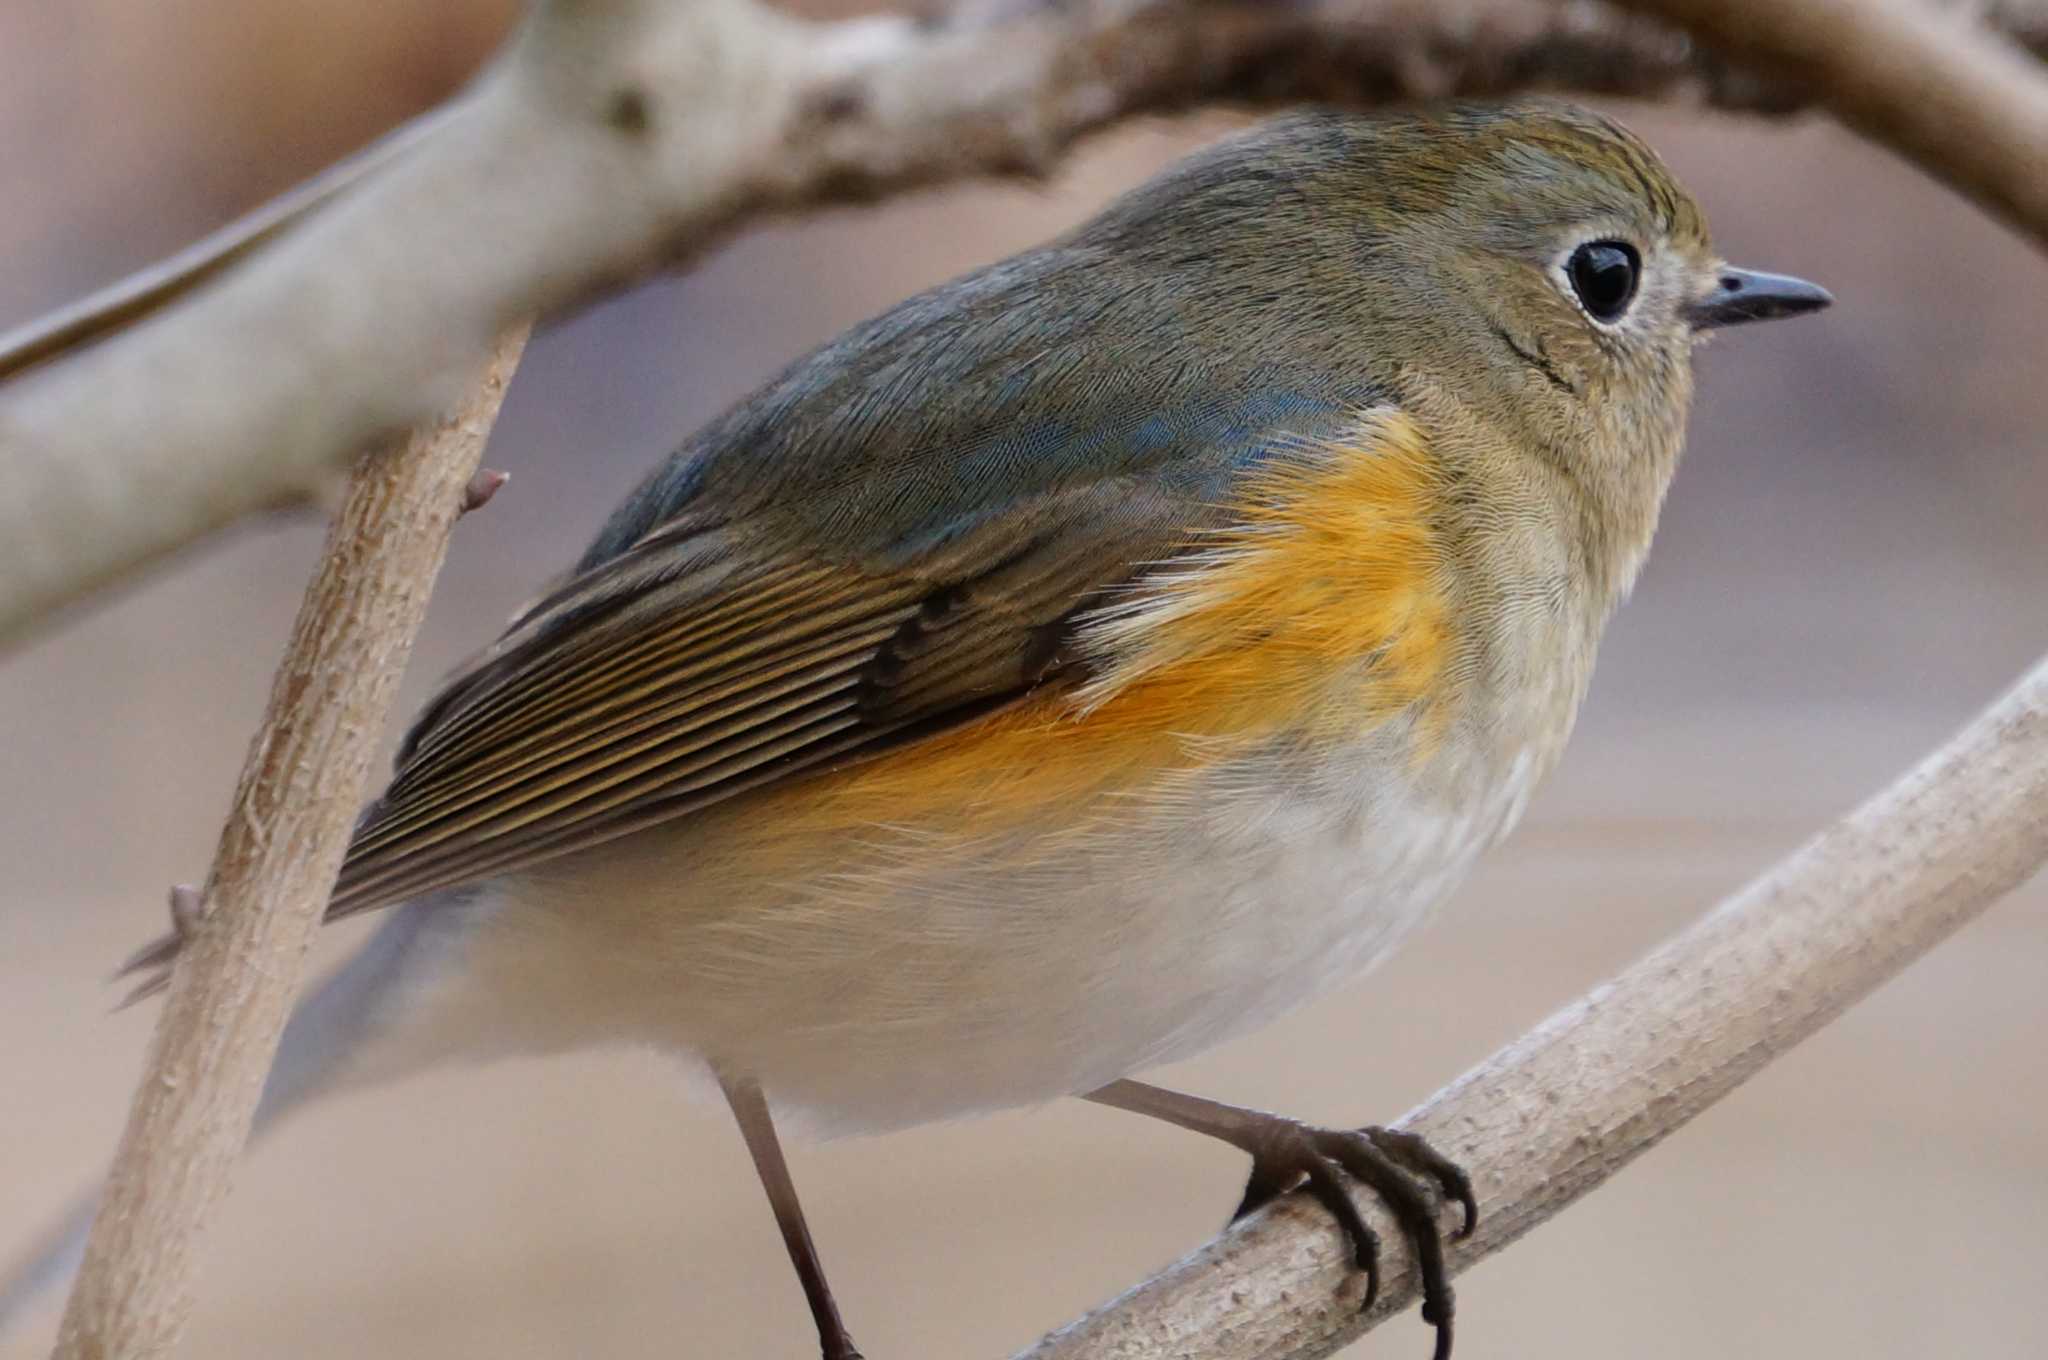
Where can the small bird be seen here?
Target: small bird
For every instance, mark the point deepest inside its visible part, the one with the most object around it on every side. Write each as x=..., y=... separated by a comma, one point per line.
x=1074, y=667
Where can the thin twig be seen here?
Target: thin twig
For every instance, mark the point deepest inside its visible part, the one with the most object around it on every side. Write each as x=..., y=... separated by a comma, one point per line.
x=614, y=136
x=1553, y=1115
x=276, y=864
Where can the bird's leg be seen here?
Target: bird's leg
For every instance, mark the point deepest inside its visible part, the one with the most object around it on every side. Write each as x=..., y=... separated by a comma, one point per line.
x=1402, y=1169
x=750, y=1109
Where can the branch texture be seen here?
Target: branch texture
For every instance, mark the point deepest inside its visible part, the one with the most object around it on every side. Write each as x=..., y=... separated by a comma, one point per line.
x=1554, y=1114
x=276, y=864
x=617, y=135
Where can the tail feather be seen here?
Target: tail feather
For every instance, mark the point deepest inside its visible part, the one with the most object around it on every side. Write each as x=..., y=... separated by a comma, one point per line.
x=317, y=1054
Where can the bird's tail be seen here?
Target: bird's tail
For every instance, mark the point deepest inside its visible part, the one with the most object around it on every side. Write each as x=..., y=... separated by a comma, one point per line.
x=333, y=1041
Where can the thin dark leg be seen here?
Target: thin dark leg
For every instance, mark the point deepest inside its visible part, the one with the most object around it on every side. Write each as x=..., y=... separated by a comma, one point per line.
x=750, y=1109
x=1405, y=1172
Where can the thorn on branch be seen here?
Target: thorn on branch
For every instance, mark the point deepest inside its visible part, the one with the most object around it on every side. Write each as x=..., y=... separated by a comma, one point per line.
x=188, y=909
x=481, y=488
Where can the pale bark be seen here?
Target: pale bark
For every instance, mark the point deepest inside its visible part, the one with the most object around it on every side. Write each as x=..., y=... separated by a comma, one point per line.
x=304, y=780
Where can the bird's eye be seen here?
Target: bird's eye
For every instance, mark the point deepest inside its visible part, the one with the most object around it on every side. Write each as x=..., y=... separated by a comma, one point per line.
x=1603, y=274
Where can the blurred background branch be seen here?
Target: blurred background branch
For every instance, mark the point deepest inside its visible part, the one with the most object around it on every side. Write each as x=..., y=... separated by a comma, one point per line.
x=610, y=138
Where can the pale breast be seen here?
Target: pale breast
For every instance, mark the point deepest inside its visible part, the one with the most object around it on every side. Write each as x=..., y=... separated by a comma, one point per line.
x=904, y=971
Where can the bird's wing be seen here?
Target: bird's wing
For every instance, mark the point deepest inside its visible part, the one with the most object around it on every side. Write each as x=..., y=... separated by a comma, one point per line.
x=712, y=659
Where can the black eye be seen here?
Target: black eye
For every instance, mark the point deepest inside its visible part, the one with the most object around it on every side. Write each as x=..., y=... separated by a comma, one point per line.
x=1603, y=274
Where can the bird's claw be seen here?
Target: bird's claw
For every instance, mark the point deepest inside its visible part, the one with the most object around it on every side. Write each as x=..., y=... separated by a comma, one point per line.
x=1408, y=1175
x=1412, y=1151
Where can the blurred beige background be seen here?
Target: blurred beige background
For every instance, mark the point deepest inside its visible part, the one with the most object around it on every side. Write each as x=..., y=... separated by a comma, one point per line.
x=1852, y=562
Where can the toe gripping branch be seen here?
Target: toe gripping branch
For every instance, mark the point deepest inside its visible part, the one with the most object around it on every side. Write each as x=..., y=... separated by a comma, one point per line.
x=1401, y=1168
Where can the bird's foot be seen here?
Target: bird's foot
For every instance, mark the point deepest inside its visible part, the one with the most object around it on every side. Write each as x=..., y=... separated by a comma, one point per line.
x=1408, y=1175
x=1404, y=1171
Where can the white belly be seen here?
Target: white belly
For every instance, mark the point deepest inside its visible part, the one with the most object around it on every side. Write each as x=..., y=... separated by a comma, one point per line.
x=903, y=982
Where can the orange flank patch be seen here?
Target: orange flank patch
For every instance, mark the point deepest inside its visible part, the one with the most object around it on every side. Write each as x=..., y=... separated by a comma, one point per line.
x=1323, y=608
x=1322, y=612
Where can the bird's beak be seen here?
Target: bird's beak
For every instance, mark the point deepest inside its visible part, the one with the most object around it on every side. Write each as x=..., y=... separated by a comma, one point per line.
x=1746, y=295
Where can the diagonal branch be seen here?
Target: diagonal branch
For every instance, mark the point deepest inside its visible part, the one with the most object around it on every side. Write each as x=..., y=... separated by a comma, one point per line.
x=614, y=136
x=1553, y=1115
x=272, y=874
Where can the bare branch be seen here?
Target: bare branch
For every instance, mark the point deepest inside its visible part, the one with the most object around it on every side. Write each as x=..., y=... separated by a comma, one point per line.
x=276, y=864
x=616, y=135
x=1967, y=107
x=1554, y=1114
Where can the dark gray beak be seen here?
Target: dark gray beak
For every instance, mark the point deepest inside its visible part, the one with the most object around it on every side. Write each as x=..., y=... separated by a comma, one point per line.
x=1746, y=295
